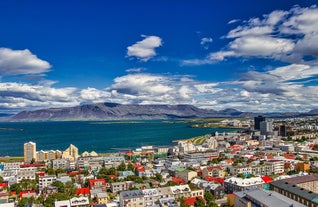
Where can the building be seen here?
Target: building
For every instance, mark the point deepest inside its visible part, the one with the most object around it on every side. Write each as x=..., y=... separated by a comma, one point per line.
x=257, y=122
x=70, y=153
x=266, y=127
x=46, y=181
x=29, y=152
x=185, y=174
x=282, y=131
x=234, y=184
x=121, y=186
x=292, y=191
x=139, y=198
x=60, y=164
x=258, y=197
x=90, y=162
x=214, y=171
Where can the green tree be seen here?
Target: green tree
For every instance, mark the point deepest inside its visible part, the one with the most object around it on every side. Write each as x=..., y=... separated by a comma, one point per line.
x=70, y=189
x=49, y=201
x=121, y=166
x=210, y=200
x=60, y=186
x=15, y=187
x=199, y=202
x=130, y=166
x=158, y=177
x=50, y=171
x=182, y=202
x=25, y=202
x=28, y=184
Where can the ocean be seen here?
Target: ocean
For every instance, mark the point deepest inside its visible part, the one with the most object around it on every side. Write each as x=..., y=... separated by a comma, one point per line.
x=101, y=137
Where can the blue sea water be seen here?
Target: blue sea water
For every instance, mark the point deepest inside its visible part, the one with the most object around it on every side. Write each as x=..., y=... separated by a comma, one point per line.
x=101, y=137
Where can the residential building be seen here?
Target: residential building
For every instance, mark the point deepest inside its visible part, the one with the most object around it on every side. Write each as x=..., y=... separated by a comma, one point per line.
x=46, y=181
x=258, y=197
x=185, y=174
x=90, y=162
x=214, y=171
x=29, y=151
x=234, y=184
x=292, y=191
x=60, y=164
x=121, y=186
x=70, y=153
x=113, y=161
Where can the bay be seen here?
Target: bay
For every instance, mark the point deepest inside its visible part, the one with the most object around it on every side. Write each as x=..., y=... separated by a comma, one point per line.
x=101, y=137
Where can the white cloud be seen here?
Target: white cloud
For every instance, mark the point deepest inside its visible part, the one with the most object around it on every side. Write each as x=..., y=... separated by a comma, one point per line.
x=286, y=36
x=21, y=62
x=205, y=41
x=144, y=49
x=134, y=70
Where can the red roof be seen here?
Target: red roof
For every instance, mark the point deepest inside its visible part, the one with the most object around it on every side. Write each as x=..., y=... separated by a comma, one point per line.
x=3, y=184
x=93, y=181
x=140, y=169
x=32, y=165
x=267, y=179
x=289, y=156
x=83, y=191
x=178, y=180
x=26, y=192
x=112, y=176
x=72, y=173
x=40, y=173
x=216, y=180
x=190, y=201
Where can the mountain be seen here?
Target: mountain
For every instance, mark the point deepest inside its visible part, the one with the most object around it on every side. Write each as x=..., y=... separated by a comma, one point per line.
x=113, y=111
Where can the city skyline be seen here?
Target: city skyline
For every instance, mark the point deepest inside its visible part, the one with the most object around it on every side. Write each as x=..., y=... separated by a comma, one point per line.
x=247, y=55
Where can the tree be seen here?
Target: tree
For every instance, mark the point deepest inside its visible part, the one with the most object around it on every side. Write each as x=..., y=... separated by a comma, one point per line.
x=130, y=166
x=26, y=202
x=50, y=171
x=210, y=200
x=60, y=186
x=121, y=166
x=15, y=187
x=199, y=202
x=182, y=202
x=70, y=189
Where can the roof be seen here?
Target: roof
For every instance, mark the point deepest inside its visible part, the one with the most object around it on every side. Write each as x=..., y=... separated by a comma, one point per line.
x=178, y=180
x=83, y=191
x=267, y=179
x=292, y=188
x=302, y=179
x=268, y=198
x=190, y=201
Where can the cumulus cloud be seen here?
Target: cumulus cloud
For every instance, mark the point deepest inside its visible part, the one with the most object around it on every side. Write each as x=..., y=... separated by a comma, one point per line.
x=144, y=49
x=286, y=36
x=21, y=62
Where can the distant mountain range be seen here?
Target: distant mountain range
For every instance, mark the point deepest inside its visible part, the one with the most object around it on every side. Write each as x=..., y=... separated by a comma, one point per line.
x=115, y=111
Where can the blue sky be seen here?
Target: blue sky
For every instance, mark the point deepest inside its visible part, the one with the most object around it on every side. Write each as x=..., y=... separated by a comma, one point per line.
x=258, y=56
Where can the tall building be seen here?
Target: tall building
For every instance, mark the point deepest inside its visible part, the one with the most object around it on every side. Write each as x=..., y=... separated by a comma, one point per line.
x=70, y=153
x=266, y=127
x=257, y=122
x=29, y=151
x=282, y=131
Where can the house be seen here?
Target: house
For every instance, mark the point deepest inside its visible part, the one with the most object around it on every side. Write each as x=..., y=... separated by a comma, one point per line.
x=98, y=184
x=121, y=186
x=214, y=171
x=185, y=174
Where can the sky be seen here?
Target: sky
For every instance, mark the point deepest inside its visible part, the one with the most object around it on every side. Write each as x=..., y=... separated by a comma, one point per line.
x=253, y=56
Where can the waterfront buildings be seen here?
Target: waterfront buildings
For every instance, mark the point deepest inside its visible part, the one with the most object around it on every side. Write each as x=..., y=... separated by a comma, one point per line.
x=29, y=151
